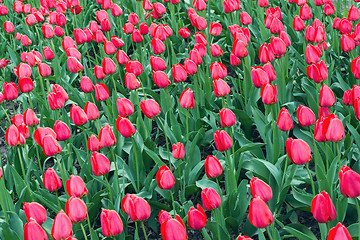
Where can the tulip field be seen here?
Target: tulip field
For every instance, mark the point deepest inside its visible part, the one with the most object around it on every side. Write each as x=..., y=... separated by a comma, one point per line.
x=179, y=119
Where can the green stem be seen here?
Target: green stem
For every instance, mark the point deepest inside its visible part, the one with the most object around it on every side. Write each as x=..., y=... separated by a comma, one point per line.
x=109, y=188
x=116, y=170
x=173, y=202
x=83, y=230
x=58, y=201
x=70, y=158
x=327, y=158
x=136, y=165
x=311, y=178
x=22, y=165
x=217, y=224
x=143, y=227
x=3, y=204
x=30, y=101
x=268, y=232
x=339, y=161
x=358, y=211
x=283, y=178
x=62, y=173
x=113, y=80
x=166, y=139
x=220, y=192
x=7, y=116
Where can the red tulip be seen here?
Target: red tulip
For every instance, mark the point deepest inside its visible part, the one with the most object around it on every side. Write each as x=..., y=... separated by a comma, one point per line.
x=165, y=178
x=245, y=18
x=213, y=167
x=100, y=164
x=323, y=208
x=134, y=66
x=259, y=213
x=51, y=146
x=269, y=93
x=278, y=44
x=284, y=121
x=210, y=199
x=75, y=187
x=179, y=73
x=218, y=70
x=298, y=23
x=305, y=12
x=144, y=28
x=25, y=85
x=125, y=127
x=76, y=210
x=178, y=150
x=10, y=91
x=33, y=231
x=259, y=76
x=244, y=238
x=125, y=107
x=30, y=118
x=347, y=42
x=221, y=88
x=78, y=116
x=215, y=29
x=216, y=50
x=345, y=26
x=111, y=224
x=339, y=233
x=298, y=151
x=86, y=84
x=62, y=131
x=150, y=108
x=157, y=63
x=349, y=182
x=131, y=81
x=56, y=100
x=239, y=48
x=190, y=66
x=93, y=143
x=74, y=65
x=186, y=99
x=12, y=136
x=306, y=116
x=106, y=136
x=62, y=227
x=91, y=111
x=184, y=32
x=121, y=57
x=195, y=56
x=118, y=43
x=40, y=133
x=197, y=218
x=317, y=72
x=51, y=180
x=161, y=80
x=222, y=140
x=110, y=49
x=333, y=129
x=353, y=13
x=227, y=117
x=172, y=228
x=266, y=54
x=327, y=98
x=35, y=211
x=260, y=189
x=136, y=207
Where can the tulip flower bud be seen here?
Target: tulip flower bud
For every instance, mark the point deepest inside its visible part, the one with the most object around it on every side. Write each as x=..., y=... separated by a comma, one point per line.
x=134, y=67
x=244, y=238
x=327, y=98
x=76, y=210
x=216, y=50
x=190, y=66
x=86, y=84
x=131, y=81
x=353, y=14
x=298, y=23
x=259, y=76
x=222, y=140
x=221, y=88
x=349, y=182
x=329, y=9
x=62, y=227
x=284, y=121
x=106, y=136
x=266, y=54
x=136, y=207
x=186, y=99
x=260, y=189
x=345, y=26
x=32, y=230
x=51, y=147
x=150, y=108
x=48, y=53
x=93, y=143
x=184, y=32
x=157, y=63
x=111, y=224
x=339, y=233
x=35, y=211
x=165, y=178
x=323, y=208
x=75, y=187
x=161, y=80
x=227, y=117
x=30, y=118
x=179, y=73
x=125, y=107
x=51, y=180
x=218, y=70
x=245, y=18
x=91, y=111
x=118, y=43
x=78, y=116
x=333, y=129
x=125, y=127
x=172, y=228
x=213, y=167
x=347, y=42
x=259, y=213
x=298, y=151
x=269, y=93
x=74, y=65
x=210, y=199
x=100, y=164
x=10, y=91
x=197, y=218
x=109, y=48
x=305, y=12
x=9, y=27
x=215, y=29
x=109, y=66
x=178, y=150
x=306, y=116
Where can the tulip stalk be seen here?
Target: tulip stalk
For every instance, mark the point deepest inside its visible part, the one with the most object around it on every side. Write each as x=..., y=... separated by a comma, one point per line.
x=3, y=202
x=116, y=170
x=62, y=173
x=137, y=165
x=311, y=178
x=82, y=227
x=22, y=165
x=339, y=160
x=173, y=202
x=358, y=211
x=6, y=114
x=268, y=232
x=217, y=224
x=58, y=201
x=143, y=227
x=109, y=188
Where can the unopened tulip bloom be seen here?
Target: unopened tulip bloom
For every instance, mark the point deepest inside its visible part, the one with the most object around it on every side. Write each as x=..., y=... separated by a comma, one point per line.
x=284, y=121
x=186, y=99
x=91, y=111
x=184, y=32
x=349, y=182
x=76, y=210
x=266, y=54
x=213, y=167
x=345, y=26
x=51, y=180
x=221, y=88
x=227, y=117
x=210, y=199
x=178, y=150
x=134, y=67
x=172, y=228
x=75, y=186
x=62, y=227
x=165, y=178
x=216, y=50
x=12, y=136
x=125, y=127
x=101, y=92
x=111, y=224
x=298, y=23
x=222, y=140
x=109, y=66
x=239, y=48
x=353, y=13
x=35, y=211
x=62, y=131
x=136, y=207
x=100, y=164
x=306, y=116
x=260, y=189
x=215, y=29
x=51, y=146
x=339, y=233
x=179, y=73
x=197, y=218
x=317, y=72
x=245, y=18
x=74, y=65
x=298, y=151
x=30, y=118
x=161, y=80
x=33, y=231
x=10, y=91
x=125, y=107
x=259, y=76
x=327, y=98
x=323, y=208
x=244, y=238
x=347, y=42
x=110, y=49
x=157, y=63
x=25, y=85
x=78, y=116
x=218, y=70
x=106, y=136
x=312, y=54
x=333, y=129
x=150, y=108
x=121, y=57
x=259, y=213
x=131, y=81
x=93, y=143
x=269, y=93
